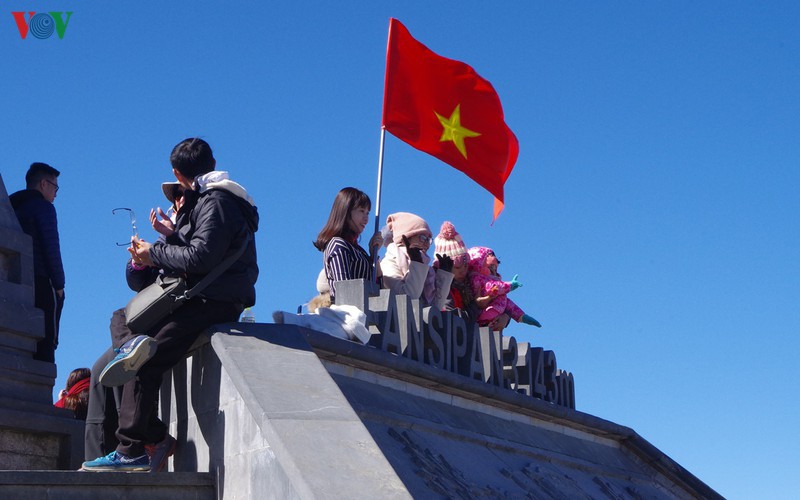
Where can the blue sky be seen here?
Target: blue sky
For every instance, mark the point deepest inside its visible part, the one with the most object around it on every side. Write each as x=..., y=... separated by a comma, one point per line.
x=652, y=215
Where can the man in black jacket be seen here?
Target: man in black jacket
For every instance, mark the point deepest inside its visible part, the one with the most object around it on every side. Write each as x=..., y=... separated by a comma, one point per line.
x=37, y=216
x=101, y=416
x=218, y=217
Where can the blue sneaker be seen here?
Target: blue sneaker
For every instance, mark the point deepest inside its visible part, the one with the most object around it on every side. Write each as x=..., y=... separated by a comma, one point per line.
x=117, y=462
x=130, y=357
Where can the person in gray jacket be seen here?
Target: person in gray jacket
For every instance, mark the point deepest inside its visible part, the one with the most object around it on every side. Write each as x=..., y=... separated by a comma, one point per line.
x=217, y=219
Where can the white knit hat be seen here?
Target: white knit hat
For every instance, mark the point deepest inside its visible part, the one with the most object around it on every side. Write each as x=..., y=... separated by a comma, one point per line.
x=448, y=242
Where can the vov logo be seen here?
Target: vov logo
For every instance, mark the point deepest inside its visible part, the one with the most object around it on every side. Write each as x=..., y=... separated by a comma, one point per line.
x=43, y=24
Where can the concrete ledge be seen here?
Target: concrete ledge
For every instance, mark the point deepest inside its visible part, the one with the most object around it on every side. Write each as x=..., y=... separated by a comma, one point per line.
x=401, y=368
x=59, y=435
x=376, y=363
x=316, y=437
x=258, y=408
x=279, y=411
x=52, y=478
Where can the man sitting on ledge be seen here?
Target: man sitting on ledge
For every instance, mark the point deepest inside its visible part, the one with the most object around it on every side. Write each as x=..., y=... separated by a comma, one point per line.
x=218, y=218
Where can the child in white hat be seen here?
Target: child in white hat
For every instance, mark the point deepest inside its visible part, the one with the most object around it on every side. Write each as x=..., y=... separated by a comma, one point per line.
x=448, y=244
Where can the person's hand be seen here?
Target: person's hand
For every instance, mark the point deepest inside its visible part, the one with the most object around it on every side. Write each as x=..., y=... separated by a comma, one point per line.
x=529, y=320
x=499, y=323
x=514, y=283
x=163, y=226
x=375, y=243
x=60, y=293
x=414, y=253
x=445, y=263
x=140, y=251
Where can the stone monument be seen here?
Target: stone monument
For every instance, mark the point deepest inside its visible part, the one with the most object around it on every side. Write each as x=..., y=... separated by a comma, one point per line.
x=33, y=433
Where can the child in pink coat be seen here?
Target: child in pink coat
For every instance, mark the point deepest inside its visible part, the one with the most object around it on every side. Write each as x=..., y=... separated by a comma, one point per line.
x=486, y=282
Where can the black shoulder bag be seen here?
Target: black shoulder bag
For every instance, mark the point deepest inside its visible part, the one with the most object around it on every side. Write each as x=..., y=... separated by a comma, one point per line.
x=167, y=294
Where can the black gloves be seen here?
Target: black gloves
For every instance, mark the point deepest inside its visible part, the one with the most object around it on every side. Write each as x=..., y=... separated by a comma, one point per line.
x=445, y=263
x=414, y=254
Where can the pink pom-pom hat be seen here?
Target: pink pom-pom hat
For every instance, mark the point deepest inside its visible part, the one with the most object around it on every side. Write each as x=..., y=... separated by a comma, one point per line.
x=448, y=242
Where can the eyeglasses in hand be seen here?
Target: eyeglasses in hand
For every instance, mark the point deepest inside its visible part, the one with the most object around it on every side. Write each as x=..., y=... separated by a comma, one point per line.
x=133, y=224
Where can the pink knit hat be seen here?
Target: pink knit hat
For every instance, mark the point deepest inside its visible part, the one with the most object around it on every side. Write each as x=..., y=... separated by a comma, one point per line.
x=448, y=242
x=477, y=258
x=408, y=225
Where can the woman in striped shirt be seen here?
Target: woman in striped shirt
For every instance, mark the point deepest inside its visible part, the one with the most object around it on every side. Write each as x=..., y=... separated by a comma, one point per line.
x=343, y=257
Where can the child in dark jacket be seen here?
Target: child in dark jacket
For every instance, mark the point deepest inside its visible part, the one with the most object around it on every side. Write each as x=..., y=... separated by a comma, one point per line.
x=448, y=244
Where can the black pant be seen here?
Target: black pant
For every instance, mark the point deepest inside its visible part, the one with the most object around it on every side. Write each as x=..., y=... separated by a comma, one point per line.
x=138, y=420
x=45, y=298
x=101, y=417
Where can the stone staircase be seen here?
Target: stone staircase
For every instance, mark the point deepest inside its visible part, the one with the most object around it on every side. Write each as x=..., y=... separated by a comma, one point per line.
x=74, y=485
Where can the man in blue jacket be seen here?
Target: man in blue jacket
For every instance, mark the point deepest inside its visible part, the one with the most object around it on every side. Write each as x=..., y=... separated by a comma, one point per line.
x=37, y=216
x=218, y=218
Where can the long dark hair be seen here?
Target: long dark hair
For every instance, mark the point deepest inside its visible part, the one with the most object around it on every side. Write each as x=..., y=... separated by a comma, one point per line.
x=346, y=200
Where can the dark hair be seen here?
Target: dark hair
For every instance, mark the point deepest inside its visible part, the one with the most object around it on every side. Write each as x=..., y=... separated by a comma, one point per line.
x=78, y=403
x=346, y=200
x=192, y=157
x=77, y=375
x=37, y=172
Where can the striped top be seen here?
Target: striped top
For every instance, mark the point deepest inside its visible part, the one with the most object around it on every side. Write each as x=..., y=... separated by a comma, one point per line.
x=345, y=261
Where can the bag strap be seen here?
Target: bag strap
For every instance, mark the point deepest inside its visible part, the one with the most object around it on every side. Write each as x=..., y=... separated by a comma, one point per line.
x=217, y=271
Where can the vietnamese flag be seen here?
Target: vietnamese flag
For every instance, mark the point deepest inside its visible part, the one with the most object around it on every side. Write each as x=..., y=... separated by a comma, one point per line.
x=444, y=108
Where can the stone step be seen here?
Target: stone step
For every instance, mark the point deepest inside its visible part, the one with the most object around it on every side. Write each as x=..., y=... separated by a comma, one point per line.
x=75, y=485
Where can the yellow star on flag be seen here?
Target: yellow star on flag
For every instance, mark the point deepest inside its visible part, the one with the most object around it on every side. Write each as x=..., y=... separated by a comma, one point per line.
x=453, y=131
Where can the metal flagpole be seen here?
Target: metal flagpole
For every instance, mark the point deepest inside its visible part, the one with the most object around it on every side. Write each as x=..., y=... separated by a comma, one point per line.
x=378, y=194
x=380, y=176
x=380, y=153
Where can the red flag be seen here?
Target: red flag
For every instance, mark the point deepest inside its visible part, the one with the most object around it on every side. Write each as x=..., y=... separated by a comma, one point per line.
x=444, y=108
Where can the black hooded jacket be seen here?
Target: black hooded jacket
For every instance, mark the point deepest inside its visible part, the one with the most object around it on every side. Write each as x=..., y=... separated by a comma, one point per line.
x=211, y=226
